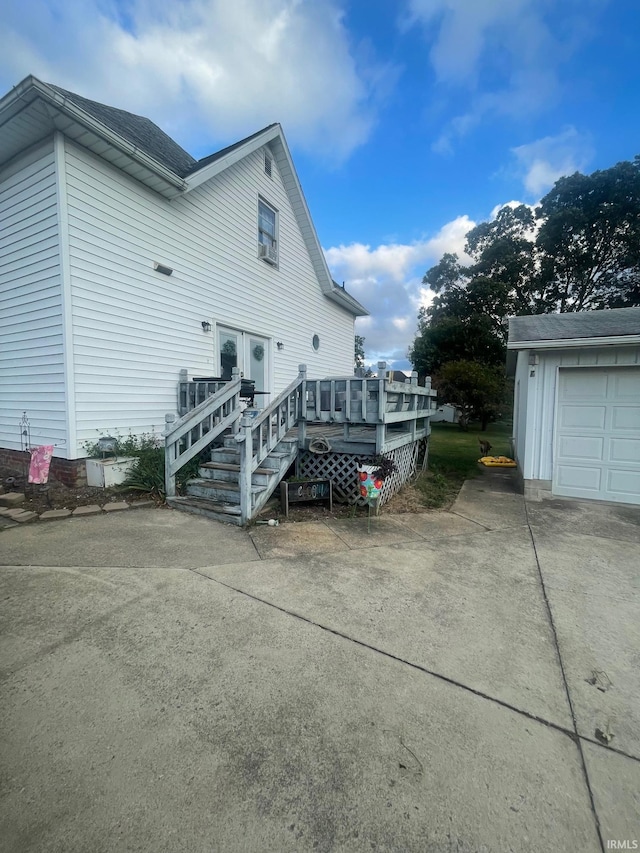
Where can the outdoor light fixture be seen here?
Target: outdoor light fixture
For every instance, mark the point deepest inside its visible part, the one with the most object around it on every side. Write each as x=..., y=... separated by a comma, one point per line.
x=206, y=326
x=280, y=345
x=162, y=268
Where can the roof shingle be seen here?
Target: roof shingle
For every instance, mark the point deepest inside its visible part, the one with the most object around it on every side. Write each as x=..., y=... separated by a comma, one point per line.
x=614, y=322
x=138, y=130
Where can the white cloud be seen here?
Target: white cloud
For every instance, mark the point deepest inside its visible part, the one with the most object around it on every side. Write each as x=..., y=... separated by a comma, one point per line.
x=542, y=162
x=499, y=57
x=387, y=279
x=230, y=67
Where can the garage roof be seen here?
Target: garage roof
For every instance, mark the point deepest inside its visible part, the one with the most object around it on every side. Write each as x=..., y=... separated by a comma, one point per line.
x=582, y=328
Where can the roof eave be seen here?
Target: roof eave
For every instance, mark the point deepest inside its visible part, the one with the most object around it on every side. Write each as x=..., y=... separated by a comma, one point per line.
x=563, y=343
x=345, y=300
x=209, y=171
x=35, y=88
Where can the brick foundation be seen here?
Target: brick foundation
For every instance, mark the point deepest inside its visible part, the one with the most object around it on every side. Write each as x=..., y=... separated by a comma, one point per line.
x=71, y=472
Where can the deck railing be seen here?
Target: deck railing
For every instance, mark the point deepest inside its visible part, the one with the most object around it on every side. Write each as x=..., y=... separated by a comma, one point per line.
x=186, y=437
x=398, y=411
x=260, y=433
x=391, y=407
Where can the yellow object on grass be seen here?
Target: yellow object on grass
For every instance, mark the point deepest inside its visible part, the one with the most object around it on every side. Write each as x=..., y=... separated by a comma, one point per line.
x=497, y=462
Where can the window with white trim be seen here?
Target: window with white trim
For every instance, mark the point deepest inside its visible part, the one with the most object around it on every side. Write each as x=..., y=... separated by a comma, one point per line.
x=267, y=222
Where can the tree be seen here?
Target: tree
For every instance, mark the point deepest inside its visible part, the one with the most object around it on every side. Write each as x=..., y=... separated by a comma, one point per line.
x=578, y=250
x=476, y=390
x=358, y=360
x=589, y=240
x=453, y=339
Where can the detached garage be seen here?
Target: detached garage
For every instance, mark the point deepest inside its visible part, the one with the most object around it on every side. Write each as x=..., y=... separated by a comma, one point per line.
x=576, y=419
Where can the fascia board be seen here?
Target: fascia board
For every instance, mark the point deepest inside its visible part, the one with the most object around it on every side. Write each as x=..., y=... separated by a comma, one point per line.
x=573, y=343
x=345, y=300
x=213, y=169
x=31, y=86
x=565, y=343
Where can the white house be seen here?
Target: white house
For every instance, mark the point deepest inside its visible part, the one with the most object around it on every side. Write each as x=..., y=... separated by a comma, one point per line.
x=577, y=404
x=124, y=261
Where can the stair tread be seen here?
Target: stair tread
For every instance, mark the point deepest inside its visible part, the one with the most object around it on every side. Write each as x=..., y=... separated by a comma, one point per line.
x=226, y=485
x=229, y=466
x=204, y=503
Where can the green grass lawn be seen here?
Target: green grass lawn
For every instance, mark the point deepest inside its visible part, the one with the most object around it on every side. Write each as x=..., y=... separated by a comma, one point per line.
x=453, y=458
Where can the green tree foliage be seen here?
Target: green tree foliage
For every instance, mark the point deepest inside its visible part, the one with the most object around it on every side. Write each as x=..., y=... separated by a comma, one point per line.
x=358, y=359
x=477, y=390
x=589, y=240
x=578, y=250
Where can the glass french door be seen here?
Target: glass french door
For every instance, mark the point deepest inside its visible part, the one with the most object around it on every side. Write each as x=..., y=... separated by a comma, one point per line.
x=248, y=352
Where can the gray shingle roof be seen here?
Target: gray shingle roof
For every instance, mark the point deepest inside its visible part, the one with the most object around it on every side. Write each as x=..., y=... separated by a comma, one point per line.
x=573, y=326
x=138, y=130
x=211, y=158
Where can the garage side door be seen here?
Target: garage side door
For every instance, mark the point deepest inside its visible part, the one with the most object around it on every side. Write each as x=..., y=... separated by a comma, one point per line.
x=597, y=439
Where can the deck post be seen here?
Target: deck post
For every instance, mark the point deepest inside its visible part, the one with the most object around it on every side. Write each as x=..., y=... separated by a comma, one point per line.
x=235, y=375
x=169, y=457
x=246, y=458
x=302, y=410
x=415, y=403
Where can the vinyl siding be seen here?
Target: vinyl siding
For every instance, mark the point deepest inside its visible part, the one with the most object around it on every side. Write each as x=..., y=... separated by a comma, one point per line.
x=31, y=334
x=542, y=394
x=134, y=328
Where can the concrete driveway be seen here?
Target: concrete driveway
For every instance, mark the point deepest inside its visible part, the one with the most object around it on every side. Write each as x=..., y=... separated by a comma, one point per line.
x=454, y=681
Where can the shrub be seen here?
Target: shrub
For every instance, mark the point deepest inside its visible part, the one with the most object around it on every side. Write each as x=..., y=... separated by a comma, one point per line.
x=147, y=472
x=129, y=445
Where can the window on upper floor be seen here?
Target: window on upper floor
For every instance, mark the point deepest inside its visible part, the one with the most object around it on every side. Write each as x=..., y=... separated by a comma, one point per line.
x=267, y=233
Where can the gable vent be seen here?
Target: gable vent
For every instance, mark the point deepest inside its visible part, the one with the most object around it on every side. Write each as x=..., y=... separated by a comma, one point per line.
x=267, y=165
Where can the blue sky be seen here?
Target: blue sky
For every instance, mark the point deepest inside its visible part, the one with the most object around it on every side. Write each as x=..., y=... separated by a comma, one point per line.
x=409, y=121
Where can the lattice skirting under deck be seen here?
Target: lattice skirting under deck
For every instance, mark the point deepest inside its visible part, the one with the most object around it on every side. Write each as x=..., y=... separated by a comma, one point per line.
x=342, y=469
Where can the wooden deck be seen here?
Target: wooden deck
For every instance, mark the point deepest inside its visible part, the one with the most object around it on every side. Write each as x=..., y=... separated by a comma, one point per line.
x=358, y=439
x=358, y=418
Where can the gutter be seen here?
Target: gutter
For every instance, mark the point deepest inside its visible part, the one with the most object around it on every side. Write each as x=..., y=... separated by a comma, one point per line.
x=561, y=343
x=345, y=300
x=76, y=113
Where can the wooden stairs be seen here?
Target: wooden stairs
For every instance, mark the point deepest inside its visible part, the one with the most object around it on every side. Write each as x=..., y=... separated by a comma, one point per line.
x=215, y=493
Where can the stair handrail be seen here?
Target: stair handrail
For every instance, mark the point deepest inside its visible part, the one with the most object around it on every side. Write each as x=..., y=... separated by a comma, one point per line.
x=197, y=429
x=259, y=435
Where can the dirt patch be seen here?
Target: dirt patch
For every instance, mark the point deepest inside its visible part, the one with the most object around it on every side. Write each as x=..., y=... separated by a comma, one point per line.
x=55, y=495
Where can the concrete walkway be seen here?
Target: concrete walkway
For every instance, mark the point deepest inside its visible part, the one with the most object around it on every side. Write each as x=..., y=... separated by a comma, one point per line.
x=452, y=681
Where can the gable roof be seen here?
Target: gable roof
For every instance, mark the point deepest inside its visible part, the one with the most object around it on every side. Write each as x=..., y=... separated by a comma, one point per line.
x=580, y=328
x=33, y=110
x=139, y=130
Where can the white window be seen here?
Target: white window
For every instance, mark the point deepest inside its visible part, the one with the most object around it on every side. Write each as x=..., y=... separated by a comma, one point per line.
x=267, y=221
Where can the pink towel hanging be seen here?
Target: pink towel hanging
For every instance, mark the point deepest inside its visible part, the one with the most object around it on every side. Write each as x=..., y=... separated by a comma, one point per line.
x=40, y=462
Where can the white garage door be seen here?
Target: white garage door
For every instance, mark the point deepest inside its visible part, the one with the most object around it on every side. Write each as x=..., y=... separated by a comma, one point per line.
x=597, y=439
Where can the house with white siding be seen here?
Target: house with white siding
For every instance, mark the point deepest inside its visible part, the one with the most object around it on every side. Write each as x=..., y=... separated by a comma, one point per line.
x=576, y=418
x=124, y=261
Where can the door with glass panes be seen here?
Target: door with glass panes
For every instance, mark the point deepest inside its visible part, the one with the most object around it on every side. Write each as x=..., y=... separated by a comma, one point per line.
x=248, y=352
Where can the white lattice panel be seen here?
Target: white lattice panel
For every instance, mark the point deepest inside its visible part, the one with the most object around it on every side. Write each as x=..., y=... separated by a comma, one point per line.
x=342, y=469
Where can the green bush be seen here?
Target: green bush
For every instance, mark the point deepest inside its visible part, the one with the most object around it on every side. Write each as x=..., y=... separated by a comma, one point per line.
x=129, y=445
x=147, y=472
